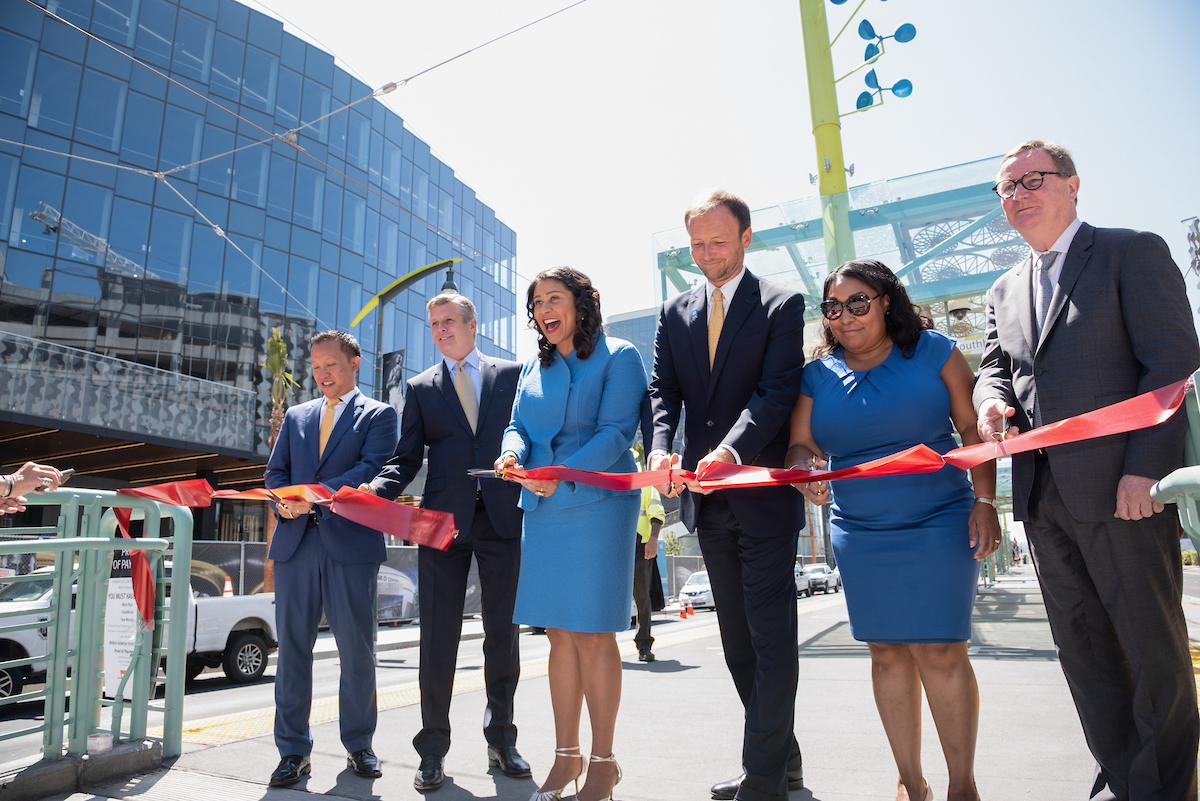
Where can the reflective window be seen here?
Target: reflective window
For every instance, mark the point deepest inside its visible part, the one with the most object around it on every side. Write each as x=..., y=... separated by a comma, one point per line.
x=227, y=66
x=55, y=95
x=281, y=187
x=302, y=286
x=354, y=218
x=337, y=134
x=310, y=189
x=130, y=230
x=156, y=27
x=208, y=257
x=83, y=229
x=376, y=157
x=76, y=11
x=275, y=265
x=143, y=126
x=332, y=226
x=36, y=205
x=181, y=144
x=116, y=20
x=388, y=247
x=241, y=269
x=101, y=110
x=287, y=100
x=327, y=299
x=250, y=174
x=74, y=284
x=193, y=46
x=9, y=166
x=349, y=302
x=358, y=140
x=420, y=194
x=215, y=175
x=390, y=180
x=258, y=87
x=315, y=106
x=17, y=57
x=170, y=244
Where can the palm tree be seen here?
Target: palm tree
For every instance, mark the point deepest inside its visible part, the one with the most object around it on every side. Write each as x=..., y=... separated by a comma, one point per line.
x=282, y=386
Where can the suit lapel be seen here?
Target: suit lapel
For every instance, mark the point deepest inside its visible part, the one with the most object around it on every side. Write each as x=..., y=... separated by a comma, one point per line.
x=697, y=323
x=446, y=381
x=1023, y=300
x=739, y=309
x=487, y=379
x=1073, y=264
x=313, y=430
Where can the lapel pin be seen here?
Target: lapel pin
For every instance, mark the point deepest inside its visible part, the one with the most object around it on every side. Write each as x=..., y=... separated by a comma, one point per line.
x=695, y=313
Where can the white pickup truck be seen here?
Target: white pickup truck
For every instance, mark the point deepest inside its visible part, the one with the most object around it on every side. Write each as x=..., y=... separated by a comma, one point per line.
x=236, y=633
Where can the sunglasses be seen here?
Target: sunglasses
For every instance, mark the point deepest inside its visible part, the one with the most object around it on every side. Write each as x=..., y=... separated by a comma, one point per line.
x=858, y=305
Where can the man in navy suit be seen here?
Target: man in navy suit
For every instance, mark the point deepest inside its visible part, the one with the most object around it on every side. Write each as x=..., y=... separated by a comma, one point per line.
x=1095, y=316
x=459, y=408
x=730, y=352
x=325, y=562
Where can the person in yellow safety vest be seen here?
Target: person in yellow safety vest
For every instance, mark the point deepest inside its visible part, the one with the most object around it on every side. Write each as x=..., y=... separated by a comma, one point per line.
x=647, y=581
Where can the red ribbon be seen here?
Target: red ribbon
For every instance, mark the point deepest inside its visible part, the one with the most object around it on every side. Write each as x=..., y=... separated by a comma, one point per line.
x=1144, y=411
x=139, y=570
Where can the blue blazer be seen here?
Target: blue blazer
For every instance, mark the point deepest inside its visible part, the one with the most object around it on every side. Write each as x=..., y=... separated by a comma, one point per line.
x=582, y=416
x=362, y=440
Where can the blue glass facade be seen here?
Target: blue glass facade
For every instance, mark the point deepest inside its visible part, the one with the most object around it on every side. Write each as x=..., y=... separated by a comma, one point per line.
x=127, y=265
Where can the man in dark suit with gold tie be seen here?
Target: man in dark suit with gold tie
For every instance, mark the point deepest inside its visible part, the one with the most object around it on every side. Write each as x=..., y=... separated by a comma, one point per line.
x=459, y=409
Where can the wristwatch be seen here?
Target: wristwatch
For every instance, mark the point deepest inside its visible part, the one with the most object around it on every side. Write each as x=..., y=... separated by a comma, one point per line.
x=989, y=501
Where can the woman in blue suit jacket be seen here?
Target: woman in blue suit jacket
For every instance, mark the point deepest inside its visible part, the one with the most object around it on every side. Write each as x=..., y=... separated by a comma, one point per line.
x=577, y=406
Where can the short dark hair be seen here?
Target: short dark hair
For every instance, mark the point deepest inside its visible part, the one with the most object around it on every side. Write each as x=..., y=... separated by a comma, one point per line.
x=587, y=312
x=349, y=344
x=904, y=320
x=706, y=202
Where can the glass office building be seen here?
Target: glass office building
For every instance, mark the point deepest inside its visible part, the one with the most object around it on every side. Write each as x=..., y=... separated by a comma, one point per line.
x=143, y=276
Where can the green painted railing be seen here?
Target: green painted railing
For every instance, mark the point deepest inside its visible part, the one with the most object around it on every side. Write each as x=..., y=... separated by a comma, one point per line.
x=1182, y=487
x=83, y=542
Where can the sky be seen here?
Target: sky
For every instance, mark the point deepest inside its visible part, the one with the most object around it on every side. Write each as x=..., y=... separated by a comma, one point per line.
x=592, y=130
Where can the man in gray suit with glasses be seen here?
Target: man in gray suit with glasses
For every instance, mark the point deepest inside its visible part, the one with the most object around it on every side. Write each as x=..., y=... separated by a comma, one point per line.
x=1096, y=316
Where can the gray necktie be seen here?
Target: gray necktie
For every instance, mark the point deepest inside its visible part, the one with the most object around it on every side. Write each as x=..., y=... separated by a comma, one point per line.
x=1045, y=287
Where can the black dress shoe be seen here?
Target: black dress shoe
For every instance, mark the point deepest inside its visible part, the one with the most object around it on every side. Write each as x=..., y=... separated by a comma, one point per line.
x=430, y=775
x=291, y=769
x=646, y=656
x=728, y=790
x=365, y=763
x=509, y=761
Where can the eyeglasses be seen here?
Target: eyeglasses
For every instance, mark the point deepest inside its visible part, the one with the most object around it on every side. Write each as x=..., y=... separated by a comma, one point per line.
x=1031, y=180
x=858, y=305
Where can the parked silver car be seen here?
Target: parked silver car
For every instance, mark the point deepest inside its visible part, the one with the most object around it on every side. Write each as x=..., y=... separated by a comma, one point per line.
x=823, y=578
x=803, y=582
x=698, y=591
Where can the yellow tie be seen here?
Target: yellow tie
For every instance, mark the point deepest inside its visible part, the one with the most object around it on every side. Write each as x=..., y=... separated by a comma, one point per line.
x=466, y=394
x=716, y=319
x=326, y=426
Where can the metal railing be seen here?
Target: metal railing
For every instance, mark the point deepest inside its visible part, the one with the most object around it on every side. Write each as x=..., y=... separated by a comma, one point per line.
x=83, y=542
x=1182, y=486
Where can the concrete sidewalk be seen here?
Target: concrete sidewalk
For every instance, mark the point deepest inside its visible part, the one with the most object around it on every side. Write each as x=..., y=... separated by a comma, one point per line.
x=681, y=723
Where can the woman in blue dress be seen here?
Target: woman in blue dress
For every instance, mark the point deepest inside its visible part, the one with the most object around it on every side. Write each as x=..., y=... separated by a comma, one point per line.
x=886, y=383
x=578, y=405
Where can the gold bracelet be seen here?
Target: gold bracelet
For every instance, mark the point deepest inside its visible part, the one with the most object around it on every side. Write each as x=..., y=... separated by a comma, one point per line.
x=989, y=501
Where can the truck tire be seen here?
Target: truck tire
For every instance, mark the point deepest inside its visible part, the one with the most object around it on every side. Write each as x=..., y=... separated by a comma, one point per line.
x=12, y=681
x=245, y=659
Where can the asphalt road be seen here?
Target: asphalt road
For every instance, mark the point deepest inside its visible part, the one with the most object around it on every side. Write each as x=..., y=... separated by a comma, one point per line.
x=1191, y=582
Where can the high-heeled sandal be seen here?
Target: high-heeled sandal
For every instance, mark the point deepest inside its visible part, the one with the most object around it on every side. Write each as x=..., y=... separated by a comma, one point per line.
x=612, y=759
x=571, y=751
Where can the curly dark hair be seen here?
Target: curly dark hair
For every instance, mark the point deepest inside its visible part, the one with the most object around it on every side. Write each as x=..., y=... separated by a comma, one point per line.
x=588, y=321
x=903, y=319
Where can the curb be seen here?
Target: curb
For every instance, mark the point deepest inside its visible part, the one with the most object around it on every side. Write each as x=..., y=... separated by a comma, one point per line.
x=24, y=781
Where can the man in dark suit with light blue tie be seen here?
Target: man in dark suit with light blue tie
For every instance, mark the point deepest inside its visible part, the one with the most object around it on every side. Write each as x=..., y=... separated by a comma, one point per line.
x=324, y=562
x=459, y=409
x=1093, y=317
x=730, y=352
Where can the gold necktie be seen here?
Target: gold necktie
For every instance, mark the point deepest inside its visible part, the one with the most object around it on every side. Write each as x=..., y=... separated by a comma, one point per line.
x=326, y=426
x=466, y=394
x=716, y=319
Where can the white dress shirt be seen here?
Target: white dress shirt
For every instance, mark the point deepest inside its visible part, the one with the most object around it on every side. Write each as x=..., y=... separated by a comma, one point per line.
x=472, y=368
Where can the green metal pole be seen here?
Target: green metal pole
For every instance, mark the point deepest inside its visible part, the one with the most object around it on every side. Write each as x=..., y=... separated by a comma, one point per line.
x=827, y=133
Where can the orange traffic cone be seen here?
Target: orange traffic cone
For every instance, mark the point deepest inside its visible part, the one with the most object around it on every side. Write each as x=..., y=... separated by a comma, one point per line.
x=228, y=587
x=682, y=611
x=690, y=610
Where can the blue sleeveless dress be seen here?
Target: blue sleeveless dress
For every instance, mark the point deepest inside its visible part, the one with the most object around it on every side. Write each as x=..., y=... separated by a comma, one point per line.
x=901, y=541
